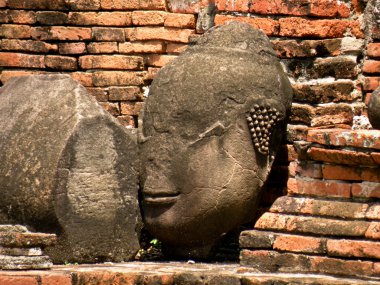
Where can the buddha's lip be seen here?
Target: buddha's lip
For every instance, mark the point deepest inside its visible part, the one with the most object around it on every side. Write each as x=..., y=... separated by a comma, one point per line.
x=160, y=197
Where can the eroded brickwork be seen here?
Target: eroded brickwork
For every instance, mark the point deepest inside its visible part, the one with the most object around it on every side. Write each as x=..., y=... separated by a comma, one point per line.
x=114, y=48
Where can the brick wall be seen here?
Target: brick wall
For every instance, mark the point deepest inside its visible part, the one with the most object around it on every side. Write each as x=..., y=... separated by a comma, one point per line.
x=115, y=48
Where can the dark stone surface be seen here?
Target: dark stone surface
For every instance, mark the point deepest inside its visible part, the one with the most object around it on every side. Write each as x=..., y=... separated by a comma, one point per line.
x=203, y=160
x=374, y=109
x=68, y=167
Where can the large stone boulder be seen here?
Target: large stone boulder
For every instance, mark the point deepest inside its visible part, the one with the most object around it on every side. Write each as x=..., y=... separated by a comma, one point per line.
x=68, y=167
x=374, y=109
x=212, y=123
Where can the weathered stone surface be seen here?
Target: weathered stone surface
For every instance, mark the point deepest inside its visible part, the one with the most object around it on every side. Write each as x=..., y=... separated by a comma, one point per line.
x=68, y=167
x=24, y=262
x=212, y=123
x=374, y=109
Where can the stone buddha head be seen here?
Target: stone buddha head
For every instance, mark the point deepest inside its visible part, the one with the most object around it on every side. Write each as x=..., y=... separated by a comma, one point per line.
x=212, y=123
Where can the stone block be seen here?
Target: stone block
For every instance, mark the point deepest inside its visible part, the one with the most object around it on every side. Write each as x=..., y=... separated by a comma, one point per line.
x=68, y=167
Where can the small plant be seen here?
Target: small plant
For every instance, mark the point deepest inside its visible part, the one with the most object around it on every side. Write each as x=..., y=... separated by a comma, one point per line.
x=155, y=243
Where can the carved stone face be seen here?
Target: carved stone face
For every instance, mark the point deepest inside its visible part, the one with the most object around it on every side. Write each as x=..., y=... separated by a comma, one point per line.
x=212, y=122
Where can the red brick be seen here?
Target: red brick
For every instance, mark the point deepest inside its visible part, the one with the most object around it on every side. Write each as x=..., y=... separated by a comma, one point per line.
x=159, y=60
x=27, y=45
x=14, y=239
x=84, y=78
x=328, y=265
x=116, y=62
x=176, y=48
x=366, y=190
x=376, y=157
x=340, y=156
x=152, y=71
x=16, y=31
x=318, y=188
x=296, y=133
x=58, y=62
x=112, y=108
x=127, y=121
x=353, y=248
x=100, y=18
x=318, y=207
x=118, y=78
x=142, y=47
x=17, y=17
x=373, y=212
x=148, y=18
x=56, y=279
x=333, y=115
x=341, y=137
x=371, y=83
x=38, y=4
x=10, y=59
x=233, y=5
x=129, y=93
x=103, y=47
x=273, y=262
x=302, y=113
x=133, y=4
x=131, y=108
x=302, y=244
x=51, y=18
x=84, y=4
x=108, y=34
x=371, y=66
x=373, y=231
x=100, y=94
x=18, y=280
x=3, y=3
x=62, y=33
x=72, y=48
x=373, y=50
x=102, y=277
x=299, y=27
x=269, y=26
x=180, y=21
x=307, y=48
x=188, y=7
x=159, y=33
x=5, y=75
x=339, y=67
x=355, y=173
x=328, y=8
x=312, y=225
x=319, y=8
x=337, y=91
x=312, y=170
x=256, y=239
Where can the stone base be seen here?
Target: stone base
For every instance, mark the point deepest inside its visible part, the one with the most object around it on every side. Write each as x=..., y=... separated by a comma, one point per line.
x=167, y=274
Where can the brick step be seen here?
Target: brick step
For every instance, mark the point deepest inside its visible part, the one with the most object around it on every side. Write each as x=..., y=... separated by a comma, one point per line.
x=24, y=262
x=319, y=226
x=347, y=248
x=165, y=273
x=26, y=239
x=273, y=261
x=326, y=208
x=333, y=188
x=369, y=139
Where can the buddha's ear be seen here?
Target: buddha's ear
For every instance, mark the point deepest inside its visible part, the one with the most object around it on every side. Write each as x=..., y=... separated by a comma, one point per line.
x=262, y=118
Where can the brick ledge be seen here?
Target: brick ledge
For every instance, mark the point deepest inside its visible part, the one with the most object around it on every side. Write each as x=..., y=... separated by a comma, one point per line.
x=165, y=274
